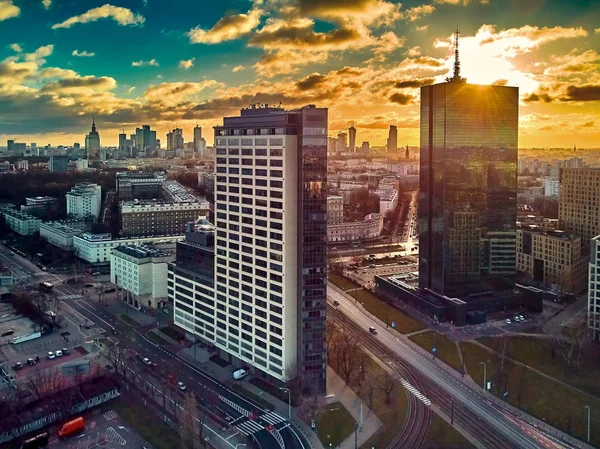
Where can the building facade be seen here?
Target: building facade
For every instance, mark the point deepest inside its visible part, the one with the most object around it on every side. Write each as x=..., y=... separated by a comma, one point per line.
x=58, y=163
x=84, y=200
x=579, y=203
x=38, y=205
x=335, y=210
x=392, y=141
x=551, y=187
x=141, y=273
x=97, y=248
x=594, y=288
x=20, y=222
x=139, y=185
x=388, y=200
x=92, y=143
x=352, y=137
x=369, y=228
x=468, y=186
x=61, y=233
x=551, y=258
x=271, y=253
x=143, y=218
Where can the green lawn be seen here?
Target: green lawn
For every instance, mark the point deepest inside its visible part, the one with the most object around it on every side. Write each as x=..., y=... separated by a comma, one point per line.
x=341, y=281
x=405, y=324
x=128, y=320
x=544, y=398
x=334, y=425
x=148, y=425
x=537, y=353
x=157, y=338
x=446, y=349
x=443, y=435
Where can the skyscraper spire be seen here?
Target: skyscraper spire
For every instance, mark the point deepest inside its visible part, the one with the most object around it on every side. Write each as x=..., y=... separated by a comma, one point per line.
x=456, y=78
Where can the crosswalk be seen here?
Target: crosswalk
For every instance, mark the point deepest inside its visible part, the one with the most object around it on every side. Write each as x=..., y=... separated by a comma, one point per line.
x=272, y=418
x=113, y=436
x=111, y=414
x=249, y=427
x=416, y=392
x=73, y=296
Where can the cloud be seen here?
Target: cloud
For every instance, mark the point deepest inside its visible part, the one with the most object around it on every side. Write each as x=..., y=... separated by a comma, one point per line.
x=417, y=12
x=422, y=28
x=57, y=72
x=311, y=81
x=458, y=2
x=414, y=51
x=123, y=16
x=13, y=73
x=589, y=124
x=407, y=84
x=587, y=92
x=402, y=99
x=83, y=54
x=79, y=83
x=176, y=92
x=533, y=97
x=546, y=128
x=152, y=63
x=597, y=31
x=287, y=61
x=40, y=54
x=526, y=38
x=365, y=12
x=238, y=68
x=387, y=43
x=47, y=3
x=8, y=10
x=228, y=28
x=500, y=82
x=186, y=63
x=16, y=48
x=131, y=89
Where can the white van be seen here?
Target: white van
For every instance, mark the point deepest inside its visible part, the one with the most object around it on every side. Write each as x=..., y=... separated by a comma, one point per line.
x=240, y=374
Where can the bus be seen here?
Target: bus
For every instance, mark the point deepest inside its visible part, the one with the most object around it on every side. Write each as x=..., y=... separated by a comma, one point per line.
x=46, y=286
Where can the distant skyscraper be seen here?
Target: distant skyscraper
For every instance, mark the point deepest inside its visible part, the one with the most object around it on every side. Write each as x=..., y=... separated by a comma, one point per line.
x=145, y=139
x=58, y=163
x=342, y=143
x=468, y=186
x=366, y=147
x=122, y=141
x=392, y=142
x=9, y=146
x=197, y=137
x=352, y=134
x=175, y=139
x=407, y=154
x=92, y=143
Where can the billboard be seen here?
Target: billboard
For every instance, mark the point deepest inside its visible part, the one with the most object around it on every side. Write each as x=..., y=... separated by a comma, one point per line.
x=27, y=337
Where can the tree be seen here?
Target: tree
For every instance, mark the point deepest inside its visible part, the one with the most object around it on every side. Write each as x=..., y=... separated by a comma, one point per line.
x=117, y=356
x=502, y=346
x=570, y=343
x=387, y=384
x=190, y=422
x=370, y=387
x=347, y=356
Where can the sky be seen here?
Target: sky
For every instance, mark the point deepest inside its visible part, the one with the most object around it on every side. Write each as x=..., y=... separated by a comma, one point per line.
x=186, y=62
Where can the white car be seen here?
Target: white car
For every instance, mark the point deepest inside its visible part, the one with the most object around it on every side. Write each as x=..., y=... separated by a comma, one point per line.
x=51, y=355
x=507, y=321
x=58, y=353
x=146, y=361
x=181, y=386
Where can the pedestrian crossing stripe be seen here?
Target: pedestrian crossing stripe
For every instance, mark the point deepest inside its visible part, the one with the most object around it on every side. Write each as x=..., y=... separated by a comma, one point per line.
x=249, y=427
x=272, y=418
x=113, y=437
x=70, y=297
x=416, y=392
x=111, y=414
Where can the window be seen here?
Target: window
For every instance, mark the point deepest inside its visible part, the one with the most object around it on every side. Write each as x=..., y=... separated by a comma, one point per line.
x=276, y=151
x=260, y=151
x=276, y=162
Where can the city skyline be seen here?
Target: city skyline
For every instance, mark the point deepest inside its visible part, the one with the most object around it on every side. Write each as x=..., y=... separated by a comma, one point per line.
x=363, y=59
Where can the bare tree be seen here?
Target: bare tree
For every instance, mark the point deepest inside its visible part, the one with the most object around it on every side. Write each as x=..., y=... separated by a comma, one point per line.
x=370, y=387
x=117, y=357
x=190, y=422
x=502, y=347
x=387, y=384
x=570, y=343
x=348, y=361
x=46, y=382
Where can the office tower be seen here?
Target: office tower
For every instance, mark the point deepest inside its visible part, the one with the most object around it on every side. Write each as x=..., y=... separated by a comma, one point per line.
x=58, y=163
x=92, y=143
x=468, y=186
x=579, y=203
x=76, y=146
x=594, y=288
x=175, y=139
x=84, y=200
x=9, y=146
x=407, y=154
x=365, y=147
x=122, y=141
x=271, y=252
x=197, y=139
x=145, y=138
x=352, y=134
x=392, y=141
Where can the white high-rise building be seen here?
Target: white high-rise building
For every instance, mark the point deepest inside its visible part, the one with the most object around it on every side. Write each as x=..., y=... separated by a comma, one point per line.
x=270, y=245
x=594, y=288
x=84, y=200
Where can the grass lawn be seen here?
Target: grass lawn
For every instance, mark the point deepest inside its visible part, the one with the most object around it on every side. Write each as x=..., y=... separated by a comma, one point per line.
x=443, y=435
x=128, y=320
x=537, y=353
x=446, y=349
x=392, y=415
x=157, y=338
x=252, y=397
x=341, y=281
x=544, y=398
x=386, y=312
x=148, y=425
x=334, y=425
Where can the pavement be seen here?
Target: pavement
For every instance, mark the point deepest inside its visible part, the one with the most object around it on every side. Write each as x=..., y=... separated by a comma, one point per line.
x=338, y=391
x=571, y=314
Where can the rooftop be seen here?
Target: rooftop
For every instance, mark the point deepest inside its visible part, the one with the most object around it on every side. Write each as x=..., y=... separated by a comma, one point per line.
x=141, y=251
x=19, y=215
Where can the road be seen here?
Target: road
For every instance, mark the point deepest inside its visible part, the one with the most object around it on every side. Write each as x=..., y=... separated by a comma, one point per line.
x=281, y=433
x=473, y=411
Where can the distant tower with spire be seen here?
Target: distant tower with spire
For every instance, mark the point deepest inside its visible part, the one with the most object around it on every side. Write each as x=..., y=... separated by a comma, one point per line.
x=456, y=78
x=407, y=154
x=92, y=142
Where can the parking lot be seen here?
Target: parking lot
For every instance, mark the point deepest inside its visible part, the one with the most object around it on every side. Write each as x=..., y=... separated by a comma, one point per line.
x=366, y=275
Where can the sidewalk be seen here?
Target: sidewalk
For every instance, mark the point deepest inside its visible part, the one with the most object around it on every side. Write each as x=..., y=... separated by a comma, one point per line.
x=338, y=391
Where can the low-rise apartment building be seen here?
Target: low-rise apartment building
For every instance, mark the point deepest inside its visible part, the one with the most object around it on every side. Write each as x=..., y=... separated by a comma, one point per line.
x=369, y=228
x=335, y=210
x=551, y=258
x=388, y=200
x=21, y=222
x=84, y=200
x=61, y=233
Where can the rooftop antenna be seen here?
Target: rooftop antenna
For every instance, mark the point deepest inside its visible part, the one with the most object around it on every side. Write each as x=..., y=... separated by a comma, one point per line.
x=456, y=78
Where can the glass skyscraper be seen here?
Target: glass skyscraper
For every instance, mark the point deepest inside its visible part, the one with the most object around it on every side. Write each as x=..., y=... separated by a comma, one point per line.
x=468, y=187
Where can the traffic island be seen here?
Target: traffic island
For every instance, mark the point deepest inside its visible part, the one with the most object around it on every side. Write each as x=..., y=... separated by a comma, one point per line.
x=127, y=319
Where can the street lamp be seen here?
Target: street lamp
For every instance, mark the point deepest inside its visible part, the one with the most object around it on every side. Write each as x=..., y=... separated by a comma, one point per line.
x=289, y=401
x=484, y=375
x=589, y=413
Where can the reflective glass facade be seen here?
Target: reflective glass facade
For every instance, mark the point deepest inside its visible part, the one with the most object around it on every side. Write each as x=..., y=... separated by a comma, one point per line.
x=468, y=187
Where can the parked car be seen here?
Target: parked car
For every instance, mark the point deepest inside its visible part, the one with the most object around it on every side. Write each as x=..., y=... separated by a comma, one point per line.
x=66, y=351
x=30, y=361
x=507, y=321
x=372, y=330
x=240, y=374
x=336, y=302
x=521, y=317
x=146, y=361
x=58, y=353
x=17, y=366
x=51, y=355
x=181, y=386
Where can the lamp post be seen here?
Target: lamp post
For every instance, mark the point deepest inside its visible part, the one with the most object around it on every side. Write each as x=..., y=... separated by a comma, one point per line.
x=484, y=375
x=589, y=413
x=289, y=401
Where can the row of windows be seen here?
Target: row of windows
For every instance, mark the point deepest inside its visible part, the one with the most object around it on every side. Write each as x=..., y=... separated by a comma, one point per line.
x=248, y=191
x=249, y=162
x=250, y=151
x=246, y=200
x=273, y=215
